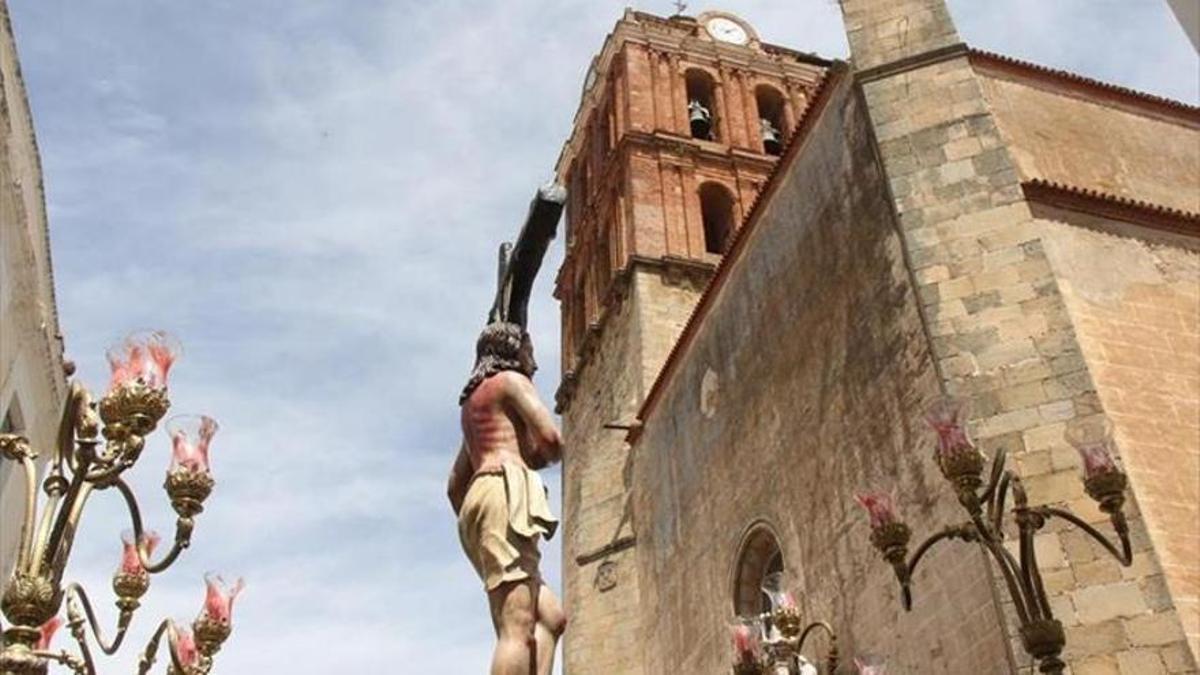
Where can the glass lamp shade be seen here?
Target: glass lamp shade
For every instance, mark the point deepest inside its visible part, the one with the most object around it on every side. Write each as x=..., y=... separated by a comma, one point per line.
x=880, y=507
x=143, y=356
x=191, y=436
x=948, y=417
x=746, y=634
x=131, y=562
x=183, y=643
x=1092, y=438
x=773, y=586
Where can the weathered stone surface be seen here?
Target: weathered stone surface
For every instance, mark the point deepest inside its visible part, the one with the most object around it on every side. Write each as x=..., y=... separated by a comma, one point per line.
x=32, y=384
x=831, y=408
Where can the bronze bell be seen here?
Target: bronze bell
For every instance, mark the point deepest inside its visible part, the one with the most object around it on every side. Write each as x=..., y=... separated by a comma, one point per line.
x=771, y=138
x=700, y=119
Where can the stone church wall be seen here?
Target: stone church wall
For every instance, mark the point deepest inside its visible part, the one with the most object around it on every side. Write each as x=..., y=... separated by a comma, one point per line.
x=804, y=383
x=31, y=369
x=1066, y=138
x=1134, y=297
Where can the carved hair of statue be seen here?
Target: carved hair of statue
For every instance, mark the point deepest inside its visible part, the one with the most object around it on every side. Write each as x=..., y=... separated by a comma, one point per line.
x=501, y=346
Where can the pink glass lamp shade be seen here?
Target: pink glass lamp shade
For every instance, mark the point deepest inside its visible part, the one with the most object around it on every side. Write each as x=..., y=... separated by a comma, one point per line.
x=747, y=640
x=218, y=600
x=131, y=563
x=1092, y=439
x=183, y=643
x=880, y=508
x=145, y=357
x=190, y=439
x=947, y=416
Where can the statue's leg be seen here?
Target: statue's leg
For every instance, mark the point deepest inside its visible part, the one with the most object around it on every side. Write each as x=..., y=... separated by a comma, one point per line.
x=550, y=625
x=512, y=606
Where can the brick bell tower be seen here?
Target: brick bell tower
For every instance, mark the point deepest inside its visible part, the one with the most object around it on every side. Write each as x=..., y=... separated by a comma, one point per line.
x=679, y=125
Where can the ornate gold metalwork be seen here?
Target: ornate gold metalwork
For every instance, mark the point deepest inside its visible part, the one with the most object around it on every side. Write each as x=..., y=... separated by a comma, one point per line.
x=30, y=600
x=1041, y=634
x=77, y=468
x=188, y=490
x=210, y=635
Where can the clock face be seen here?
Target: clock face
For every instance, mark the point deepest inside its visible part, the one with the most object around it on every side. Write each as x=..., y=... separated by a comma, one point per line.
x=727, y=30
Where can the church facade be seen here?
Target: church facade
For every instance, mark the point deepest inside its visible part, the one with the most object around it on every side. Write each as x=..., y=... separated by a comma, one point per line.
x=775, y=262
x=32, y=378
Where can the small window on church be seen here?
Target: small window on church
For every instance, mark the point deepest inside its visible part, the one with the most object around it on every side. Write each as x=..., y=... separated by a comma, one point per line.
x=716, y=211
x=770, y=118
x=701, y=112
x=759, y=557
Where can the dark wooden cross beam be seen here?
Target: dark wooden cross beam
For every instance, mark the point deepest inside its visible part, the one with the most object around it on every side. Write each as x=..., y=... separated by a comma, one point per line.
x=520, y=262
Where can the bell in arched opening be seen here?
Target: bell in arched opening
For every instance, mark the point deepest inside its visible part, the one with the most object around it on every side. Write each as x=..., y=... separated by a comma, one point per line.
x=700, y=119
x=772, y=140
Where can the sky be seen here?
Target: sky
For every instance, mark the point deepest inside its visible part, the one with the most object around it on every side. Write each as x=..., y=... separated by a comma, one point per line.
x=310, y=194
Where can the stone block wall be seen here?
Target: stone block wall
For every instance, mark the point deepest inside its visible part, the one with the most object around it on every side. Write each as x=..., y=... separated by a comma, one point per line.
x=1134, y=298
x=1001, y=330
x=601, y=577
x=803, y=384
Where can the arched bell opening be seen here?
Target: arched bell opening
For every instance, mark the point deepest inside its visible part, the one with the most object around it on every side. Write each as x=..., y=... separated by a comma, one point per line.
x=717, y=214
x=771, y=124
x=701, y=111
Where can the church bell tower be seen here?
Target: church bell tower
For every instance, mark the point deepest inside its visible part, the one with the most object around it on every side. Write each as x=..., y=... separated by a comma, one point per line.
x=680, y=122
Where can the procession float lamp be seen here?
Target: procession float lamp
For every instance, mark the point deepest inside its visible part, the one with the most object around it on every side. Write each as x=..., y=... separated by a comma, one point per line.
x=97, y=442
x=962, y=465
x=771, y=643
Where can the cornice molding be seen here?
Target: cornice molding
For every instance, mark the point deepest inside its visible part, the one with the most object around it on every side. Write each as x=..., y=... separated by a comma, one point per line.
x=1115, y=207
x=1062, y=80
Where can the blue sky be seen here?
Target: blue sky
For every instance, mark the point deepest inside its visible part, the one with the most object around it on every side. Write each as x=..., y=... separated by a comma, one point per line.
x=310, y=192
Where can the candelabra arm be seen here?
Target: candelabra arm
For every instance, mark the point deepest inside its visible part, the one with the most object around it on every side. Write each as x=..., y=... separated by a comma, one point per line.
x=183, y=532
x=904, y=570
x=75, y=409
x=964, y=531
x=54, y=561
x=146, y=662
x=51, y=543
x=994, y=480
x=996, y=506
x=25, y=552
x=1123, y=556
x=73, y=662
x=832, y=659
x=75, y=593
x=1039, y=602
x=1019, y=587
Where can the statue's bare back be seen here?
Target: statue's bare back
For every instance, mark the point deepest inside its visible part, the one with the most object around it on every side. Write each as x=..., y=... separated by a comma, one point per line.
x=492, y=428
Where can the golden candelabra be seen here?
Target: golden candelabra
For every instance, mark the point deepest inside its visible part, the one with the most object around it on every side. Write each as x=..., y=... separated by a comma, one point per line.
x=771, y=643
x=96, y=444
x=962, y=464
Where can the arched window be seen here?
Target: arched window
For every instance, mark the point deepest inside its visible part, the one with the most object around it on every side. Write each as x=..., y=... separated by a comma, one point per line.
x=701, y=112
x=770, y=118
x=758, y=557
x=716, y=211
